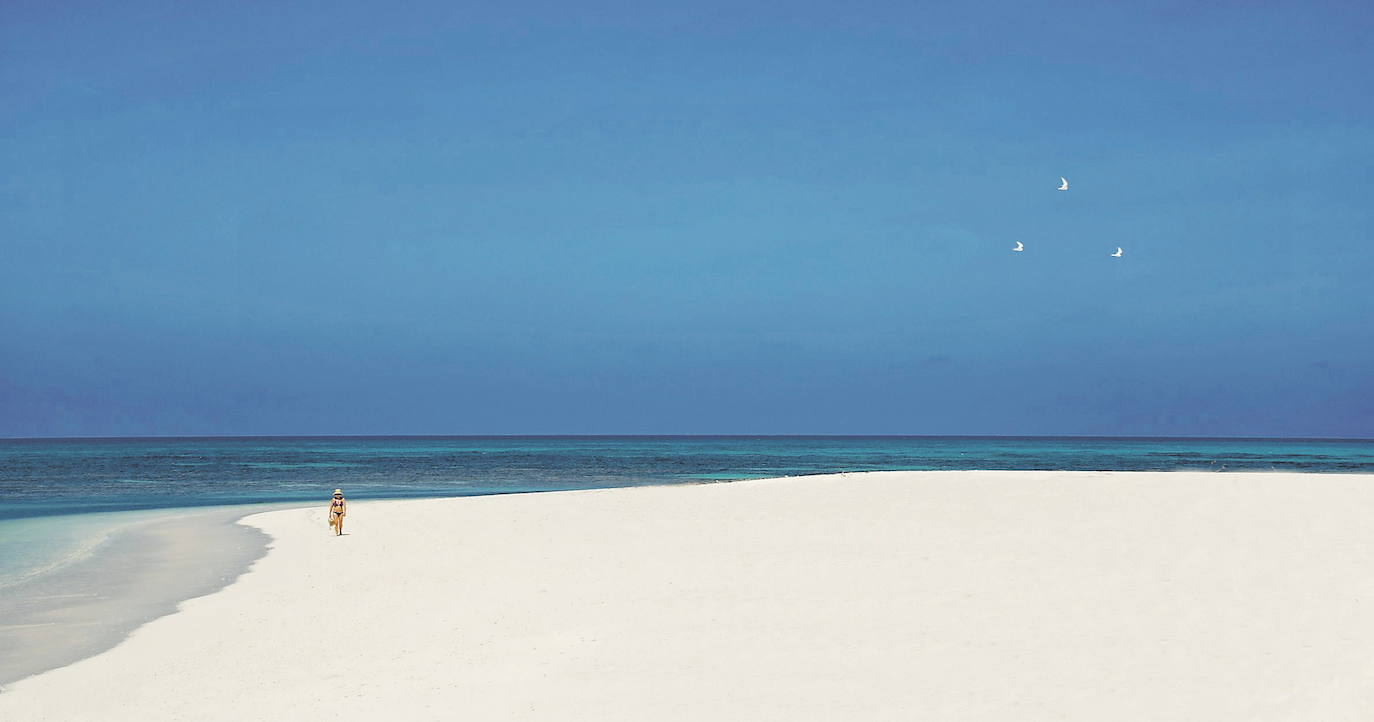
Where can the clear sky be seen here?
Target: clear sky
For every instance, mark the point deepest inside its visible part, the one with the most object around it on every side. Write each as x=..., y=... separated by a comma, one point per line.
x=736, y=217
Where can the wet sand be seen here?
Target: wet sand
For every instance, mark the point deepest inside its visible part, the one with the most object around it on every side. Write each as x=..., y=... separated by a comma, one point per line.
x=139, y=574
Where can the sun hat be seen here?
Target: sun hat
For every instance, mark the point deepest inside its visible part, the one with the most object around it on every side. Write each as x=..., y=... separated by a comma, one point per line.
x=338, y=491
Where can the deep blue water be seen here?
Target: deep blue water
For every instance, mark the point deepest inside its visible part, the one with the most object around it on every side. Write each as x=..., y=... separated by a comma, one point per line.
x=62, y=476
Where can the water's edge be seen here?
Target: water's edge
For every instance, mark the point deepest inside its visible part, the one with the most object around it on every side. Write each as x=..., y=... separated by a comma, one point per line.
x=143, y=572
x=139, y=574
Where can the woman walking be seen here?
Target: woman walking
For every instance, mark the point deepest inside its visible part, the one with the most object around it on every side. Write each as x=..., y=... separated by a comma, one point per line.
x=338, y=509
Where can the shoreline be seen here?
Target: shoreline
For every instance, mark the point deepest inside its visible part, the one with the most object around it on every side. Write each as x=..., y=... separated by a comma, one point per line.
x=139, y=571
x=1039, y=595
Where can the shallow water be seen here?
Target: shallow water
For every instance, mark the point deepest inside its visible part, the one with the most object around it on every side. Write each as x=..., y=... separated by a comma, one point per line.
x=35, y=546
x=139, y=567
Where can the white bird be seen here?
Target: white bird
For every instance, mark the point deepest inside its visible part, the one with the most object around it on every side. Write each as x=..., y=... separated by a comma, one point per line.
x=1063, y=183
x=1118, y=252
x=1019, y=247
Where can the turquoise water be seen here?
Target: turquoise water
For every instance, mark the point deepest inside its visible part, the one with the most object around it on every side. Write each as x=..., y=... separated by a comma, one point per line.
x=32, y=546
x=47, y=477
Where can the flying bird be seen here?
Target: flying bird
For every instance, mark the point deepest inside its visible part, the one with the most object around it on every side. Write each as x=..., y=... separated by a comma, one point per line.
x=1019, y=247
x=1063, y=183
x=1118, y=252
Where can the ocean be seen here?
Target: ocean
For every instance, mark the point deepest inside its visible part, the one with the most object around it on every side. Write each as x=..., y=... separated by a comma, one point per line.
x=60, y=499
x=44, y=477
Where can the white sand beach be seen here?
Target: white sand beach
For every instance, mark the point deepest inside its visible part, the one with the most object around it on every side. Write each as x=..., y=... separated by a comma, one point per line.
x=882, y=596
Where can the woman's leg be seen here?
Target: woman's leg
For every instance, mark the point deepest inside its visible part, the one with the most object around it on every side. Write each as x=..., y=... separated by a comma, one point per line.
x=338, y=528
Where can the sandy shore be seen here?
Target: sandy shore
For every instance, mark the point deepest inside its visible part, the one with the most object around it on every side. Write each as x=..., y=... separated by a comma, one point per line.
x=904, y=595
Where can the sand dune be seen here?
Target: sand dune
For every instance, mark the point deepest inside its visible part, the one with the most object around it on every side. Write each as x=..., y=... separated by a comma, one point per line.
x=897, y=595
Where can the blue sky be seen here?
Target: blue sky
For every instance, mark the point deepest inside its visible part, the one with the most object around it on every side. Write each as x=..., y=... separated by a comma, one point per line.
x=345, y=218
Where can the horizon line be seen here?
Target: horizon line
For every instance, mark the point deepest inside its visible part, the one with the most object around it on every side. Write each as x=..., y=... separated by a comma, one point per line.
x=1107, y=437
